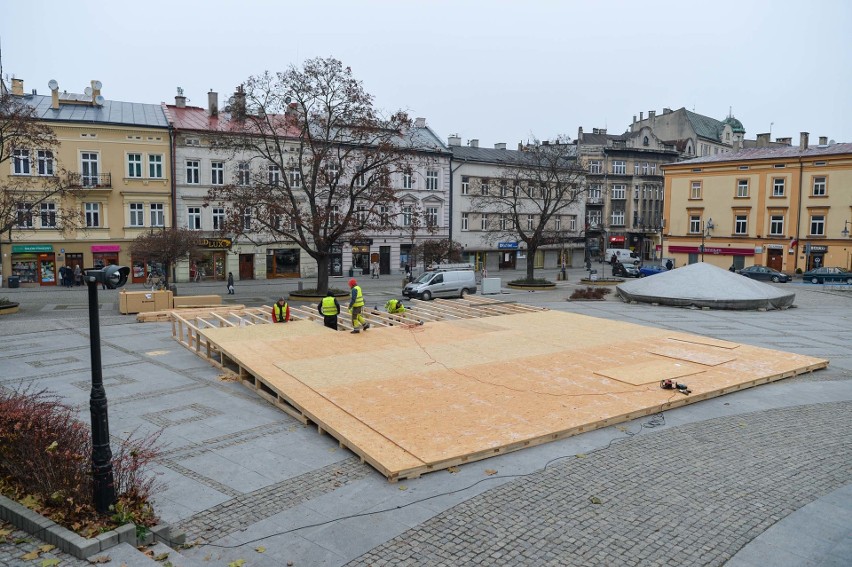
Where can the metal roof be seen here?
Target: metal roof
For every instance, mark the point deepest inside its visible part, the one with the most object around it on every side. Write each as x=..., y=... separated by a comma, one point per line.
x=704, y=126
x=770, y=153
x=112, y=112
x=492, y=155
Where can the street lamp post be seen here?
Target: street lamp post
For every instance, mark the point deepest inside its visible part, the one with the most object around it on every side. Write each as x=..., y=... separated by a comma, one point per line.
x=706, y=228
x=102, y=478
x=845, y=232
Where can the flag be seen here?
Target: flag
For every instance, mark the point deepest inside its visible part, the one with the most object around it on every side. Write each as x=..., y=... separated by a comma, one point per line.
x=793, y=242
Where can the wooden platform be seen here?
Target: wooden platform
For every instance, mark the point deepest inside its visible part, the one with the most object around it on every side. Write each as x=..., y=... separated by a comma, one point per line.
x=411, y=398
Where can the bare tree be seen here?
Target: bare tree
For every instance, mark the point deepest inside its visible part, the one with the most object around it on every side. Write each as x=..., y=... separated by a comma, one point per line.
x=439, y=250
x=324, y=160
x=31, y=146
x=531, y=195
x=165, y=246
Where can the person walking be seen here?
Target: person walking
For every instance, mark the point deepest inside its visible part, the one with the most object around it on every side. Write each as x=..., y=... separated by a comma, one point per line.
x=280, y=311
x=356, y=306
x=329, y=308
x=78, y=275
x=230, y=283
x=374, y=270
x=669, y=264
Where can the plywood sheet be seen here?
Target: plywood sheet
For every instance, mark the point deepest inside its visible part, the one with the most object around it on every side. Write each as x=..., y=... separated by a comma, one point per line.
x=411, y=399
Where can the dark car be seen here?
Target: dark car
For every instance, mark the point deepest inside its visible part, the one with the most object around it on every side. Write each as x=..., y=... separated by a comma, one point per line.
x=620, y=270
x=763, y=273
x=651, y=269
x=823, y=275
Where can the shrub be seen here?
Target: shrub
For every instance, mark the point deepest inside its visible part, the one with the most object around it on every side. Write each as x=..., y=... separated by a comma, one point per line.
x=534, y=281
x=45, y=463
x=591, y=293
x=799, y=271
x=4, y=301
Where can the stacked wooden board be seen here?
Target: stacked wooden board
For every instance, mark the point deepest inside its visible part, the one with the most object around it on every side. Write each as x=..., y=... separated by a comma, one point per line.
x=479, y=378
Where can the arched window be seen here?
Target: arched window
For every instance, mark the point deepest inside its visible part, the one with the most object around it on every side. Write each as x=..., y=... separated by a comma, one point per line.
x=645, y=141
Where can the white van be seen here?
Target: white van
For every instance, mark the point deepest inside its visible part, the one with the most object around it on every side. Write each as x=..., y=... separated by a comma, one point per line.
x=623, y=255
x=441, y=283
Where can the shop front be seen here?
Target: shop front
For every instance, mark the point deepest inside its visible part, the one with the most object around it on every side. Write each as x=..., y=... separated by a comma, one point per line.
x=815, y=256
x=695, y=253
x=508, y=255
x=283, y=263
x=335, y=261
x=210, y=264
x=34, y=264
x=105, y=255
x=361, y=256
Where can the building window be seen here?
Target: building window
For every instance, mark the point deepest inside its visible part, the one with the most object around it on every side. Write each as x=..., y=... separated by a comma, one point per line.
x=406, y=215
x=817, y=225
x=530, y=221
x=361, y=214
x=155, y=166
x=217, y=173
x=619, y=167
x=645, y=168
x=504, y=189
x=48, y=215
x=334, y=215
x=619, y=191
x=636, y=168
x=558, y=223
x=819, y=186
x=90, y=165
x=778, y=187
x=483, y=222
x=465, y=220
x=617, y=218
x=361, y=180
x=695, y=193
x=504, y=221
x=653, y=169
x=776, y=225
x=25, y=215
x=295, y=178
x=645, y=141
x=694, y=224
x=384, y=215
x=218, y=218
x=134, y=165
x=483, y=187
x=595, y=193
x=432, y=179
x=192, y=172
x=431, y=216
x=595, y=166
x=742, y=188
x=741, y=225
x=594, y=218
x=274, y=175
x=93, y=214
x=243, y=174
x=247, y=218
x=407, y=180
x=158, y=217
x=194, y=218
x=465, y=185
x=45, y=162
x=21, y=161
x=137, y=214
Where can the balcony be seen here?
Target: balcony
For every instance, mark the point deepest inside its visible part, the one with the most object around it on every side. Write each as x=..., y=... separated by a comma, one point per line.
x=85, y=181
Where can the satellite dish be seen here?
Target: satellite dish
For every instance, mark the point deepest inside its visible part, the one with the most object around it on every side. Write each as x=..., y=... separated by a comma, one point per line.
x=287, y=99
x=53, y=85
x=97, y=85
x=88, y=91
x=99, y=100
x=232, y=100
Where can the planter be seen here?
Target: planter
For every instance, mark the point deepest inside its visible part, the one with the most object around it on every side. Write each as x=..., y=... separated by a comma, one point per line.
x=9, y=308
x=532, y=286
x=311, y=295
x=602, y=281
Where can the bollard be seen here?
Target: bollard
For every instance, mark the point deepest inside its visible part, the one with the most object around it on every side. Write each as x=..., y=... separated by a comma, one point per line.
x=299, y=285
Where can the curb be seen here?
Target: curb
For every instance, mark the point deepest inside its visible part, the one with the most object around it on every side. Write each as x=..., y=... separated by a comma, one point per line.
x=74, y=544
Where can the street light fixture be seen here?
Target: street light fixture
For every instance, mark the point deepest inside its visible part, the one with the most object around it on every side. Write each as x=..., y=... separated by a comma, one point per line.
x=845, y=232
x=104, y=487
x=705, y=233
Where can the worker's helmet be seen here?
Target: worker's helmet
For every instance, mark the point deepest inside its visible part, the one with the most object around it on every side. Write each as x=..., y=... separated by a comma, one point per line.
x=352, y=282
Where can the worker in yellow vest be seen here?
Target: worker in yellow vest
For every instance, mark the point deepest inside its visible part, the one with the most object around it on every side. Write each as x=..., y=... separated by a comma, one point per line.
x=280, y=311
x=356, y=306
x=394, y=306
x=329, y=308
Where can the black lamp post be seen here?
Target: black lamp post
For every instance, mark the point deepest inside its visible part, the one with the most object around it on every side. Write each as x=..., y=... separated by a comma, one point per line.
x=845, y=232
x=705, y=232
x=104, y=487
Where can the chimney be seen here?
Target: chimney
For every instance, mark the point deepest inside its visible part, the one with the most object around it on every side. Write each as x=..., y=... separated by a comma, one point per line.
x=238, y=108
x=667, y=110
x=602, y=130
x=54, y=94
x=520, y=146
x=595, y=131
x=641, y=116
x=500, y=146
x=785, y=141
x=180, y=101
x=96, y=89
x=474, y=143
x=738, y=145
x=18, y=87
x=762, y=140
x=419, y=122
x=634, y=119
x=212, y=103
x=803, y=141
x=580, y=132
x=652, y=114
x=823, y=140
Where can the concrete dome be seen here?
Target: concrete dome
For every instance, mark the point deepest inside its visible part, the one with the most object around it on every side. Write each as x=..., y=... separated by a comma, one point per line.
x=705, y=285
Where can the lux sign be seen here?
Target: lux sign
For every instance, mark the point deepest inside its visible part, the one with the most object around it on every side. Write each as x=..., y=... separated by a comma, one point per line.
x=215, y=242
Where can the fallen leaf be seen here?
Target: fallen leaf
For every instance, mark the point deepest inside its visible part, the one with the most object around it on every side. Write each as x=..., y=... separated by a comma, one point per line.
x=595, y=500
x=100, y=559
x=260, y=549
x=237, y=563
x=490, y=472
x=49, y=562
x=4, y=533
x=580, y=455
x=31, y=555
x=403, y=487
x=453, y=470
x=161, y=557
x=45, y=548
x=52, y=446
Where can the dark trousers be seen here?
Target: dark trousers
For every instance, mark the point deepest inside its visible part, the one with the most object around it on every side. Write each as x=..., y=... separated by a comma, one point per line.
x=330, y=321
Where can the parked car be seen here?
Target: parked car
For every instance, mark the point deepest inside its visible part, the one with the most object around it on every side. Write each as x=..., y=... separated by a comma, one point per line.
x=823, y=275
x=651, y=269
x=621, y=270
x=441, y=283
x=763, y=273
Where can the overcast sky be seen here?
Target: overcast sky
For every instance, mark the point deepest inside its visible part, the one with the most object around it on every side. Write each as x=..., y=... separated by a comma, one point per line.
x=499, y=71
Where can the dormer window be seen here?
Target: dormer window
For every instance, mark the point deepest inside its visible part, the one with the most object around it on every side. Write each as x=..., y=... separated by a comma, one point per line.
x=645, y=141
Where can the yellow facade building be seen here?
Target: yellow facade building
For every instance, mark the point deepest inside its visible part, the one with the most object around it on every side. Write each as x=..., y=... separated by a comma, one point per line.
x=789, y=208
x=115, y=158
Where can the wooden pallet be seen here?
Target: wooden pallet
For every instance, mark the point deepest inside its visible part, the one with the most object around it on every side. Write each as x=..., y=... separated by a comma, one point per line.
x=410, y=398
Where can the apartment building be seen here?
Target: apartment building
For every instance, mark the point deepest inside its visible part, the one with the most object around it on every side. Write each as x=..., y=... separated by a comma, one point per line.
x=786, y=207
x=692, y=134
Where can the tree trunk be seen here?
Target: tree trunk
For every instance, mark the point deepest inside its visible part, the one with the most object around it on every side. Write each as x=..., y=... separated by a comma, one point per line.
x=167, y=267
x=322, y=274
x=531, y=263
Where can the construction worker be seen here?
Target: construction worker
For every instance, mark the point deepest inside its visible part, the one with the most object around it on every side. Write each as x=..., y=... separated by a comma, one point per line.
x=394, y=306
x=280, y=311
x=329, y=308
x=356, y=305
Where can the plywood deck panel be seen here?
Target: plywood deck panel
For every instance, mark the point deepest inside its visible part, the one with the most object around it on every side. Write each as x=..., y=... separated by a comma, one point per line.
x=410, y=399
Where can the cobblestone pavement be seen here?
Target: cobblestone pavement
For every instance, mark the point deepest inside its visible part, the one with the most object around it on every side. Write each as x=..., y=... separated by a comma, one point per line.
x=693, y=495
x=16, y=544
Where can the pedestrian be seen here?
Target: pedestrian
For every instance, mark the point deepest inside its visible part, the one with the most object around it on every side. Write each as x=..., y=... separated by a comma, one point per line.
x=78, y=275
x=669, y=264
x=614, y=259
x=329, y=308
x=732, y=268
x=408, y=273
x=280, y=311
x=394, y=306
x=374, y=270
x=62, y=277
x=230, y=283
x=356, y=306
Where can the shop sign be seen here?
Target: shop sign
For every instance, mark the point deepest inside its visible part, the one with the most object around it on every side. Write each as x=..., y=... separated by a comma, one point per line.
x=775, y=246
x=215, y=242
x=364, y=242
x=507, y=245
x=818, y=249
x=24, y=248
x=712, y=251
x=616, y=239
x=106, y=248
